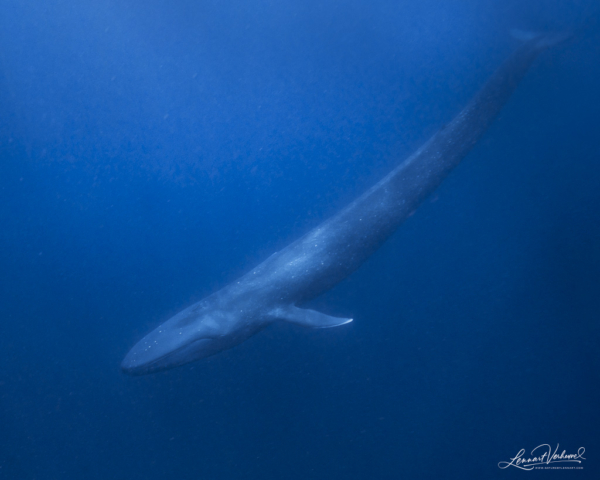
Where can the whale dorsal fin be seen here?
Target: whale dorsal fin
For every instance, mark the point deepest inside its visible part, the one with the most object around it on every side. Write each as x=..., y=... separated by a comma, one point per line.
x=308, y=318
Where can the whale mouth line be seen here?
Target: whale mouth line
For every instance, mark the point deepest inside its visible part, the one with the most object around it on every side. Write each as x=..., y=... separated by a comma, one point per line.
x=150, y=366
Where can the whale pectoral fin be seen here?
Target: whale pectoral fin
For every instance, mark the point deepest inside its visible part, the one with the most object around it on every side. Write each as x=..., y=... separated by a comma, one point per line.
x=309, y=318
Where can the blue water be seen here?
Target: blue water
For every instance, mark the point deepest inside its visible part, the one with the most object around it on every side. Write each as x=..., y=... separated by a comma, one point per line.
x=152, y=151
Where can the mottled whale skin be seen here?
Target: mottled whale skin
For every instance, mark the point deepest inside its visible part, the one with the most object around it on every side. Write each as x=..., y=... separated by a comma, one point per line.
x=329, y=253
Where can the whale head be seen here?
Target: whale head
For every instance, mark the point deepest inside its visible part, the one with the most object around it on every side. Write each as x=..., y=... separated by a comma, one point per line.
x=194, y=333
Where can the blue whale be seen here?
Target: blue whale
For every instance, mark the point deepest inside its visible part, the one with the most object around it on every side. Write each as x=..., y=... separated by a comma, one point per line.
x=313, y=264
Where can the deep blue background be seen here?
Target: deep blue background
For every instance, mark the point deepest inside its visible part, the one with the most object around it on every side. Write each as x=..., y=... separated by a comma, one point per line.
x=151, y=151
